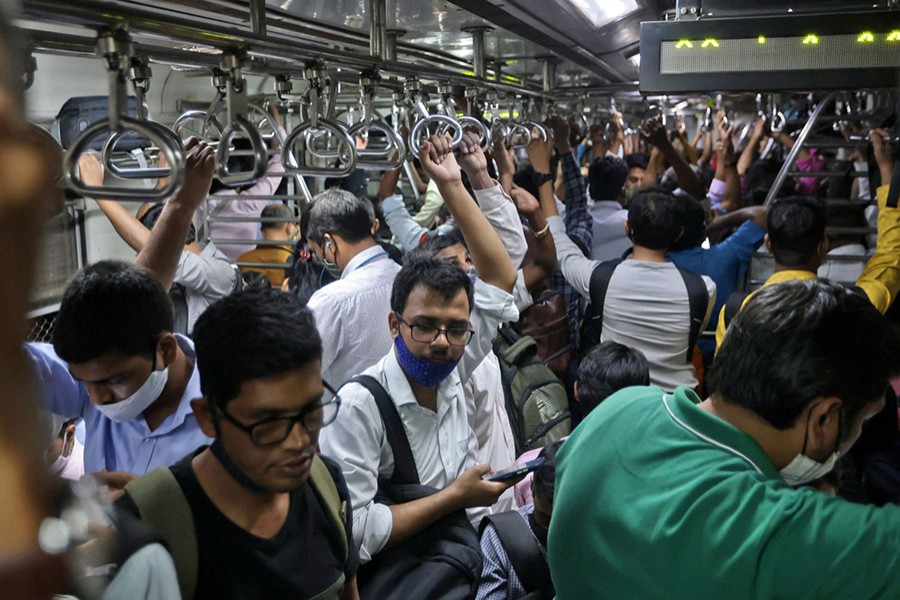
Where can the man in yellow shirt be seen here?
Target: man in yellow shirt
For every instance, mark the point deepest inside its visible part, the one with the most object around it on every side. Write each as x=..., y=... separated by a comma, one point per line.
x=796, y=238
x=273, y=231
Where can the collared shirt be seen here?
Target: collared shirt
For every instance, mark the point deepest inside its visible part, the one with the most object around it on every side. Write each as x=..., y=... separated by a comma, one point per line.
x=609, y=238
x=225, y=230
x=127, y=446
x=442, y=443
x=352, y=315
x=499, y=580
x=206, y=277
x=657, y=498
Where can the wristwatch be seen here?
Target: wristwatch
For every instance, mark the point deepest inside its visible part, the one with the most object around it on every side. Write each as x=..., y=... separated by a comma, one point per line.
x=539, y=179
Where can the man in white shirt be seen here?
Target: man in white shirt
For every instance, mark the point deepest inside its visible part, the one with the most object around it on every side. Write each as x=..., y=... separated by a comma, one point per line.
x=439, y=340
x=351, y=312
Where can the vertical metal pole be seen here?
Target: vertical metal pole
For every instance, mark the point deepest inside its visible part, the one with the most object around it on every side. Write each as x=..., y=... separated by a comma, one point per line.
x=390, y=43
x=549, y=74
x=479, y=60
x=377, y=26
x=795, y=150
x=258, y=16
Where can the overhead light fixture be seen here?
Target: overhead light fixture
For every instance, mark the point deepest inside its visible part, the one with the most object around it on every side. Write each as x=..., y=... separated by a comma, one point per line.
x=601, y=12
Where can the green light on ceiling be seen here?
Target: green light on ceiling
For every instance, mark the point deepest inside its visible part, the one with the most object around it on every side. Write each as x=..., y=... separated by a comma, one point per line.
x=684, y=44
x=866, y=37
x=811, y=40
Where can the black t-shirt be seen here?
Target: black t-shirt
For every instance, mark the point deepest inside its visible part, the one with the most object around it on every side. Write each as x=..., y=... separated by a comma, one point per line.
x=300, y=561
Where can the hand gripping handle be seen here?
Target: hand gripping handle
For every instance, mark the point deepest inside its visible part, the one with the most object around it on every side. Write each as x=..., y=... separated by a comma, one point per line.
x=415, y=143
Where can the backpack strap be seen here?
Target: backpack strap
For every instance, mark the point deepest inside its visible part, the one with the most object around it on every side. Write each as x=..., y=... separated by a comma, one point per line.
x=162, y=504
x=733, y=306
x=405, y=470
x=324, y=487
x=598, y=286
x=521, y=547
x=698, y=301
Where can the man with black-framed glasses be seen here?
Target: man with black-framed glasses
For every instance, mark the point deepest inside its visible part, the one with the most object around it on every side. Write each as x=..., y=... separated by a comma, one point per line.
x=270, y=517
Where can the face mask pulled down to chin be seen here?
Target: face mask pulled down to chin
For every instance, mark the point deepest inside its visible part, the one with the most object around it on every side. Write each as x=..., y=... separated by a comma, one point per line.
x=134, y=405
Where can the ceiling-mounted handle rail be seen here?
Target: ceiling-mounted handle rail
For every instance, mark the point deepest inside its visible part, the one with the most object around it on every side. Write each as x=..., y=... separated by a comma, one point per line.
x=238, y=124
x=346, y=151
x=390, y=158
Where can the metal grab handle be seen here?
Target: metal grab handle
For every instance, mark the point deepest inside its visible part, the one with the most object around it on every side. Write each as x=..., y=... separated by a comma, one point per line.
x=532, y=125
x=779, y=118
x=415, y=145
x=208, y=121
x=137, y=173
x=159, y=135
x=520, y=134
x=260, y=153
x=390, y=158
x=484, y=133
x=346, y=151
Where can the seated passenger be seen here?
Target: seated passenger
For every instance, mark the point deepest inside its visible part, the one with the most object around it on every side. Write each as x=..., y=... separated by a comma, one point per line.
x=666, y=496
x=442, y=329
x=116, y=364
x=351, y=312
x=268, y=514
x=285, y=230
x=647, y=304
x=502, y=577
x=797, y=240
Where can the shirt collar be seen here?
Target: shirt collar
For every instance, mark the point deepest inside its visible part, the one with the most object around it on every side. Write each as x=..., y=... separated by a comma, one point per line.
x=191, y=390
x=789, y=275
x=682, y=407
x=358, y=260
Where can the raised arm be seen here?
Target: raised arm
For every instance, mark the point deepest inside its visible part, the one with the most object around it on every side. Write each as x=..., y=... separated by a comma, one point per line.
x=687, y=179
x=504, y=156
x=760, y=129
x=488, y=253
x=126, y=225
x=544, y=263
x=166, y=242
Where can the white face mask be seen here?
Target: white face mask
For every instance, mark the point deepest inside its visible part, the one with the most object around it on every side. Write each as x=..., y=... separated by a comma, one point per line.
x=57, y=466
x=803, y=469
x=134, y=405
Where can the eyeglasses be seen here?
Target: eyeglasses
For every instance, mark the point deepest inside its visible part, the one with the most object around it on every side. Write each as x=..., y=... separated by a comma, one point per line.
x=276, y=429
x=427, y=334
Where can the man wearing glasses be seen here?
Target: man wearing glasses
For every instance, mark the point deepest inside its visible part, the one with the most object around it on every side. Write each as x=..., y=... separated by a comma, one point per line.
x=263, y=524
x=442, y=326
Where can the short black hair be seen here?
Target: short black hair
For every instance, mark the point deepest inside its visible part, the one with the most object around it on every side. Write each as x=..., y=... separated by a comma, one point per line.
x=797, y=341
x=545, y=475
x=796, y=227
x=252, y=334
x=435, y=242
x=655, y=219
x=339, y=212
x=637, y=160
x=694, y=223
x=149, y=219
x=433, y=273
x=111, y=306
x=607, y=175
x=255, y=279
x=277, y=211
x=608, y=368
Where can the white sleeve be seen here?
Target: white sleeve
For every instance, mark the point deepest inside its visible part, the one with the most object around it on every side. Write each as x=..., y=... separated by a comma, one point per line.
x=492, y=307
x=355, y=440
x=575, y=266
x=324, y=308
x=148, y=574
x=523, y=297
x=501, y=213
x=211, y=276
x=402, y=225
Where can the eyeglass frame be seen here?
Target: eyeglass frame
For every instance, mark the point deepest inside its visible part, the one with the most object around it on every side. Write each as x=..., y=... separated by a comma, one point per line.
x=298, y=418
x=438, y=331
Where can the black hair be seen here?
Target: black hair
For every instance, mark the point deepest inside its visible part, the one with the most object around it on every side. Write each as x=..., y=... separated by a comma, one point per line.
x=607, y=175
x=306, y=274
x=276, y=211
x=524, y=180
x=545, y=475
x=111, y=306
x=796, y=227
x=255, y=279
x=435, y=242
x=655, y=219
x=149, y=219
x=433, y=273
x=694, y=223
x=846, y=216
x=797, y=341
x=236, y=164
x=637, y=160
x=252, y=334
x=761, y=174
x=340, y=213
x=608, y=368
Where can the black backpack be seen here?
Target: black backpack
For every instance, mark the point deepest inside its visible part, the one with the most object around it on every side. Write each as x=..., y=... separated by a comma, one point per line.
x=77, y=114
x=698, y=300
x=442, y=561
x=524, y=553
x=536, y=400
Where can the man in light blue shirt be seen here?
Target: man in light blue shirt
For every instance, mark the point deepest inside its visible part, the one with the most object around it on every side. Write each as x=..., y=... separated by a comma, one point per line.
x=115, y=363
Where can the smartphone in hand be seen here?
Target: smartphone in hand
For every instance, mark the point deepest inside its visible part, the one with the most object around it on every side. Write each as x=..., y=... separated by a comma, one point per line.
x=516, y=471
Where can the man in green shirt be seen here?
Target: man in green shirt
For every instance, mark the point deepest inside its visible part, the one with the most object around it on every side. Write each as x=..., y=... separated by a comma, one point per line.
x=667, y=496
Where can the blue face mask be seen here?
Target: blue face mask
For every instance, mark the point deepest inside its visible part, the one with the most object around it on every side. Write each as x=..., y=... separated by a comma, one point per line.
x=428, y=373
